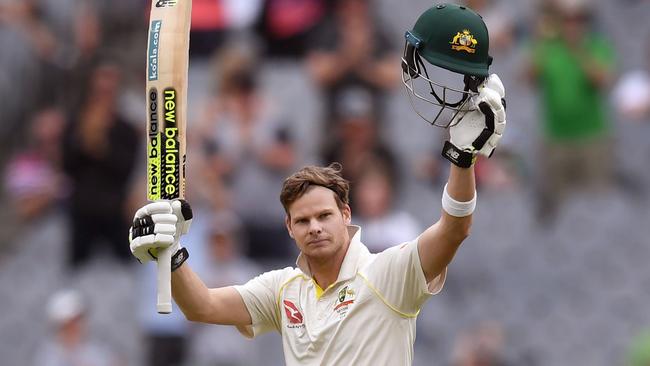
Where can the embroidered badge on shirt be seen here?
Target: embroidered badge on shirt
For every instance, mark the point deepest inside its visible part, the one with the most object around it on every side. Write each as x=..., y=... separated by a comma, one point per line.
x=293, y=315
x=345, y=299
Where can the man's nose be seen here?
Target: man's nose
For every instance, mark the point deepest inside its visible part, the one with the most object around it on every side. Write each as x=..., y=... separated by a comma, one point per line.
x=315, y=228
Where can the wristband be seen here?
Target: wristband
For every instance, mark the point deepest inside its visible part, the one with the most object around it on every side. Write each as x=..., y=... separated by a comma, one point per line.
x=179, y=258
x=460, y=158
x=457, y=208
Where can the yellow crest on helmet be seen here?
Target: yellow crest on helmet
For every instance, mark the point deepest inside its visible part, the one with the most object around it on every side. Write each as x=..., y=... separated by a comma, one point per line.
x=464, y=41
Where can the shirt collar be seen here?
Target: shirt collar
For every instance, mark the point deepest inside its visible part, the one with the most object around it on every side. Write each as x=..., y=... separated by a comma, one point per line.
x=353, y=257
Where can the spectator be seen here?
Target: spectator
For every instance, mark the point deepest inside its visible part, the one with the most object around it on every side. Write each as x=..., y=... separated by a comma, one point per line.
x=374, y=198
x=638, y=353
x=572, y=67
x=27, y=66
x=213, y=20
x=87, y=38
x=353, y=50
x=165, y=336
x=481, y=345
x=226, y=243
x=99, y=155
x=33, y=178
x=286, y=26
x=26, y=17
x=71, y=345
x=253, y=150
x=355, y=133
x=120, y=22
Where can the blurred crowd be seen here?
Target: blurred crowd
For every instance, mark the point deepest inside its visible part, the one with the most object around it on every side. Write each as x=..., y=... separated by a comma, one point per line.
x=278, y=84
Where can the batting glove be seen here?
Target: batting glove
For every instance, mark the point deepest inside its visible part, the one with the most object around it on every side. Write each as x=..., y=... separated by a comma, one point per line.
x=159, y=225
x=478, y=130
x=183, y=212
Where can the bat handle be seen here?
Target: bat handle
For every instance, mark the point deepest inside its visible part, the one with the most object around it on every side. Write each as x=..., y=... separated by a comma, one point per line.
x=164, y=304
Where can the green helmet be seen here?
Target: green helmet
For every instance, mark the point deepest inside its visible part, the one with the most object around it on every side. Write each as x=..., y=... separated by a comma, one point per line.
x=452, y=37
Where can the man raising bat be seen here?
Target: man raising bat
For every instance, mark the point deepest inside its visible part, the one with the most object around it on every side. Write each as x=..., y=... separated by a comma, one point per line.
x=342, y=305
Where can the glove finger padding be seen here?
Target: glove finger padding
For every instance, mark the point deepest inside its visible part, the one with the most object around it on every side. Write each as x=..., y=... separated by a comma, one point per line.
x=183, y=211
x=488, y=131
x=493, y=93
x=493, y=108
x=167, y=218
x=154, y=224
x=160, y=207
x=493, y=82
x=145, y=248
x=165, y=229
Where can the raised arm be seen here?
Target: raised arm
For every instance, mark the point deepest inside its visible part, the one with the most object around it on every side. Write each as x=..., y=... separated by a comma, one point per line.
x=438, y=243
x=199, y=303
x=160, y=225
x=475, y=132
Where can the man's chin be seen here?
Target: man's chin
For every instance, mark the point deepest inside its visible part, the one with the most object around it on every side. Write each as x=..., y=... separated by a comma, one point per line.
x=319, y=250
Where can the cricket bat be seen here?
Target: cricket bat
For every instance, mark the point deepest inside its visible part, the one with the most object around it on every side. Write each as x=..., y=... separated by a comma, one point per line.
x=167, y=64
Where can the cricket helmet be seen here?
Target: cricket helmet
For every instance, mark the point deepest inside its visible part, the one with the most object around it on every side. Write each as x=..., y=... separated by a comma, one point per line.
x=451, y=37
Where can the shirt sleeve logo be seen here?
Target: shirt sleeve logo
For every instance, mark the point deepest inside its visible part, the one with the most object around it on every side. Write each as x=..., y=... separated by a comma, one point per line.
x=293, y=314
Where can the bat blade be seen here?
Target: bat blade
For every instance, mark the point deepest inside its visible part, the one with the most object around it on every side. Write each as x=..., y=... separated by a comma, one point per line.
x=167, y=65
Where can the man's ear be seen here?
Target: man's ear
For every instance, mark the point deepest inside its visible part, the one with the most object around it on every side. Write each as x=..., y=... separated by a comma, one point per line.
x=287, y=223
x=347, y=214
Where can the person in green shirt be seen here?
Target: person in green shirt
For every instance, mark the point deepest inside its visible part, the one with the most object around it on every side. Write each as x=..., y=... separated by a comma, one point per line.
x=572, y=66
x=638, y=352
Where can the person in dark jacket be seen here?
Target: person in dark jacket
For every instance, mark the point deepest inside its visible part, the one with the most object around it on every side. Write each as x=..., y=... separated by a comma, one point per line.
x=99, y=156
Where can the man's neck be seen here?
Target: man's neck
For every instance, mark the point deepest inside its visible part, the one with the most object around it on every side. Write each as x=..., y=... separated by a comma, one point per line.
x=326, y=272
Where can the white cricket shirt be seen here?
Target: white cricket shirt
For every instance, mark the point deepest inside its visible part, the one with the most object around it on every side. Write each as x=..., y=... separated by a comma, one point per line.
x=367, y=317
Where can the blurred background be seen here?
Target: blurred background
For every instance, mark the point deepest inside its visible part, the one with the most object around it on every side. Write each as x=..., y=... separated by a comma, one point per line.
x=554, y=273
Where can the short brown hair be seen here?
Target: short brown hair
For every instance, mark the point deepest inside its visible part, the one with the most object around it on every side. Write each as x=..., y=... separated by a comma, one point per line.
x=301, y=181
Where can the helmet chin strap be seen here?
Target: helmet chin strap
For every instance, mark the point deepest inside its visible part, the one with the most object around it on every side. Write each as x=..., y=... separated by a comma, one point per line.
x=472, y=82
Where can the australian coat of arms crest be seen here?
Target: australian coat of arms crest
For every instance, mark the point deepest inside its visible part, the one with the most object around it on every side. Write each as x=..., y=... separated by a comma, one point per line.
x=464, y=41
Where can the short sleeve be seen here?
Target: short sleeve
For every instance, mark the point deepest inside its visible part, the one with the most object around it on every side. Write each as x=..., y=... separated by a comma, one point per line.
x=260, y=297
x=397, y=276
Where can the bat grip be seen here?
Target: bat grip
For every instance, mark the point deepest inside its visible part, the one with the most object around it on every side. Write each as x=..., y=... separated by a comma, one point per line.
x=164, y=304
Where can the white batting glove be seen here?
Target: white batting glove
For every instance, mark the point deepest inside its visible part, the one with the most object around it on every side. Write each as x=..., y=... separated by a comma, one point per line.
x=478, y=131
x=159, y=225
x=183, y=212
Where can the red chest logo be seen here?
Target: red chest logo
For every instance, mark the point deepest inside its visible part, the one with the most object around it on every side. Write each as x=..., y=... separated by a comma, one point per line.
x=293, y=314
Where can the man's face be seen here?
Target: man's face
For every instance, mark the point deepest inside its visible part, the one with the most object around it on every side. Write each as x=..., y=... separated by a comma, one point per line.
x=317, y=224
x=574, y=27
x=373, y=195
